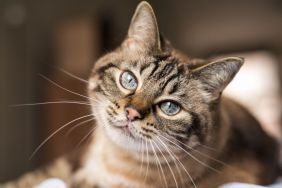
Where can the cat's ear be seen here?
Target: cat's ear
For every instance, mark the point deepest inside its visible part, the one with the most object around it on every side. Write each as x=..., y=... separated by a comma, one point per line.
x=143, y=33
x=215, y=76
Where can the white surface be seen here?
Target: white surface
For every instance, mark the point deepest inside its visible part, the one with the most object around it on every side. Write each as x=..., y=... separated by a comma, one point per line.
x=57, y=183
x=52, y=183
x=240, y=185
x=278, y=184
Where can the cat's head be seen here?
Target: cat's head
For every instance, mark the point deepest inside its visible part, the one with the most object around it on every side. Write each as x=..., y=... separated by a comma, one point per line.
x=146, y=91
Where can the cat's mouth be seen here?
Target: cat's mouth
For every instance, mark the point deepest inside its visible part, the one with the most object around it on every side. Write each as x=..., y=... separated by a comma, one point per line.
x=125, y=128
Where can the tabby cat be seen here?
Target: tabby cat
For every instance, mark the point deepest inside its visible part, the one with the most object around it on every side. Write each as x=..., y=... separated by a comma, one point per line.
x=161, y=122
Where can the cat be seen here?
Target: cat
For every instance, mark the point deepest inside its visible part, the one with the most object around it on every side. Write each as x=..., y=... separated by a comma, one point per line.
x=162, y=122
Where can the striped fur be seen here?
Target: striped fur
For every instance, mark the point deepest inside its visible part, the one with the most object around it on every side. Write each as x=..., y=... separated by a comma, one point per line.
x=210, y=141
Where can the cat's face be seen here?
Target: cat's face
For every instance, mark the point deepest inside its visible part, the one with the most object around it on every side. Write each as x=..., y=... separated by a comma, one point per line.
x=147, y=98
x=143, y=92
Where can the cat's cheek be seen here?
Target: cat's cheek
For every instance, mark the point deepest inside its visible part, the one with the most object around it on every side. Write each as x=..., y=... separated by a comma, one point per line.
x=193, y=141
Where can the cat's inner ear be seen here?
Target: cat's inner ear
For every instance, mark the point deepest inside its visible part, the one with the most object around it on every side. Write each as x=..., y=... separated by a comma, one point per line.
x=143, y=34
x=215, y=76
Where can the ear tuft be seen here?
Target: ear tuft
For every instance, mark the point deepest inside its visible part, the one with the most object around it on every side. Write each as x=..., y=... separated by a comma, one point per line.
x=216, y=75
x=143, y=33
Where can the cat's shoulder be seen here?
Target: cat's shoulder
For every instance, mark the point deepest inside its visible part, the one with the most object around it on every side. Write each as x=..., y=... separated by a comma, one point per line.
x=242, y=121
x=247, y=137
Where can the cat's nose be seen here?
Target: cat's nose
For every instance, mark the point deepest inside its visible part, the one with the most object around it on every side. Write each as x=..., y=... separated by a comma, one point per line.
x=132, y=114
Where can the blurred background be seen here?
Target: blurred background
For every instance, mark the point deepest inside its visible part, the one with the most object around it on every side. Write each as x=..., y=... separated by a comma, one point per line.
x=38, y=37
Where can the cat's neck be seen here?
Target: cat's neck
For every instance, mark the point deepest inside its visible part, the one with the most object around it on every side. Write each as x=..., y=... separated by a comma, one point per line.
x=104, y=146
x=110, y=159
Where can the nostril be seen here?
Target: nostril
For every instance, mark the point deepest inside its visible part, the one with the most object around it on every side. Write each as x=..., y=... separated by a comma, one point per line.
x=126, y=112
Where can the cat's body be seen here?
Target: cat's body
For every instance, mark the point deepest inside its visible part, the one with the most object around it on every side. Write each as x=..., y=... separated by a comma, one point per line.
x=161, y=122
x=246, y=158
x=239, y=157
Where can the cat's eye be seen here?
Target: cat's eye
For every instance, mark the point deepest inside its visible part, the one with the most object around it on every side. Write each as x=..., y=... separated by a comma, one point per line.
x=169, y=108
x=128, y=80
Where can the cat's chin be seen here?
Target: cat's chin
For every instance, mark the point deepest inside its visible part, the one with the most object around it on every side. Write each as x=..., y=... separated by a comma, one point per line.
x=123, y=137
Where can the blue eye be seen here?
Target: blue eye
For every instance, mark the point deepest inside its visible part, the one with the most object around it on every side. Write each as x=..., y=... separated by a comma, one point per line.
x=128, y=80
x=170, y=108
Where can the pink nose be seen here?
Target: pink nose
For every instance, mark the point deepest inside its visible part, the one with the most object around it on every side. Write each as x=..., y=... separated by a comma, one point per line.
x=132, y=114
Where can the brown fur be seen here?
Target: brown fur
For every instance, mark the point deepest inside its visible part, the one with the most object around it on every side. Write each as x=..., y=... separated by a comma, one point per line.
x=241, y=149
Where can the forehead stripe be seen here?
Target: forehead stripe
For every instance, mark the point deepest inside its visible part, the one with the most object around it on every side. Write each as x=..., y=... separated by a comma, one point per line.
x=173, y=77
x=174, y=88
x=144, y=67
x=165, y=71
x=156, y=63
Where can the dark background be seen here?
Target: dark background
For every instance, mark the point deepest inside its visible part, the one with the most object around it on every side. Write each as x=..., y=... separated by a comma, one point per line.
x=37, y=35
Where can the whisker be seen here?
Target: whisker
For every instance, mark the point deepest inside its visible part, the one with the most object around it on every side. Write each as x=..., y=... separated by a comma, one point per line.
x=71, y=75
x=159, y=163
x=147, y=153
x=205, y=146
x=79, y=124
x=128, y=141
x=208, y=147
x=192, y=156
x=175, y=157
x=176, y=165
x=201, y=153
x=61, y=87
x=55, y=132
x=167, y=164
x=142, y=155
x=51, y=102
x=85, y=137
